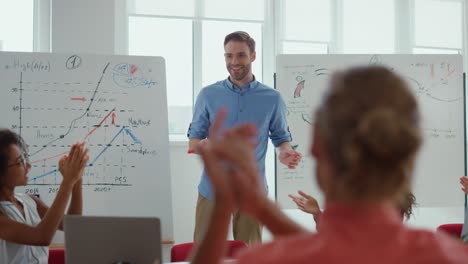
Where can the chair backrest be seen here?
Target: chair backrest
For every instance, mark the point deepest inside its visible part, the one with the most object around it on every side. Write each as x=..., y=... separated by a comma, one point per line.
x=451, y=229
x=181, y=252
x=56, y=256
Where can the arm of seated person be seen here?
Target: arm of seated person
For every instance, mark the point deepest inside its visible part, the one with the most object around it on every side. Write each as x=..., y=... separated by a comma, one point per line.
x=71, y=167
x=75, y=207
x=42, y=234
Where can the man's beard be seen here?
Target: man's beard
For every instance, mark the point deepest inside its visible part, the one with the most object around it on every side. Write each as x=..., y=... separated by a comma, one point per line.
x=239, y=75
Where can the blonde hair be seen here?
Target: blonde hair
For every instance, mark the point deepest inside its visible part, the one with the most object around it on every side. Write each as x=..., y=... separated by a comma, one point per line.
x=369, y=123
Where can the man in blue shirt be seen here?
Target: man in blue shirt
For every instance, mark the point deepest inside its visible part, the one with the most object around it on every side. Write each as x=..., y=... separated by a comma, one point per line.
x=246, y=100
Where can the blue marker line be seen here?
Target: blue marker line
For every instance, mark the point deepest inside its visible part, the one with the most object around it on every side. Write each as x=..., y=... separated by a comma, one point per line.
x=135, y=139
x=43, y=175
x=108, y=145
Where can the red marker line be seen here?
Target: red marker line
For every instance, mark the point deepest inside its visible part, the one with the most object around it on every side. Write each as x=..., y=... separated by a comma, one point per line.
x=133, y=69
x=49, y=158
x=78, y=99
x=89, y=134
x=99, y=125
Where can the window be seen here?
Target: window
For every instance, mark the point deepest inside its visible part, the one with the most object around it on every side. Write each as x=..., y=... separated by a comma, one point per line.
x=290, y=47
x=368, y=26
x=438, y=24
x=434, y=51
x=16, y=25
x=307, y=20
x=171, y=39
x=239, y=9
x=189, y=34
x=306, y=26
x=163, y=7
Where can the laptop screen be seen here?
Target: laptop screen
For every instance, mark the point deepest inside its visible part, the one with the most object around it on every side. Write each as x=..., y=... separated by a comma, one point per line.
x=93, y=239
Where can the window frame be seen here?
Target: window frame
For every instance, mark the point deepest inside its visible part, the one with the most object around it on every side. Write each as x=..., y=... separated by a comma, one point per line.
x=197, y=63
x=273, y=36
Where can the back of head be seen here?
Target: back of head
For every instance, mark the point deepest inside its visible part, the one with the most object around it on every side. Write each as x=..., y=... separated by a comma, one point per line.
x=369, y=125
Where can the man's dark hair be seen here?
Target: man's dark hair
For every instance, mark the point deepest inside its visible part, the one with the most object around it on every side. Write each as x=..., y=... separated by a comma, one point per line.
x=241, y=36
x=8, y=138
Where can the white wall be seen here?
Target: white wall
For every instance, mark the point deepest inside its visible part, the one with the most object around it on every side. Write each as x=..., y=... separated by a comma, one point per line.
x=89, y=26
x=186, y=170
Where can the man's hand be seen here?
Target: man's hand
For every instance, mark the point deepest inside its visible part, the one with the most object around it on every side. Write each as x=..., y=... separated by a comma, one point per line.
x=195, y=144
x=289, y=157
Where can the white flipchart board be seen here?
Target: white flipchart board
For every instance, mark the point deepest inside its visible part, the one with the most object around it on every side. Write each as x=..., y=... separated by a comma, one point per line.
x=437, y=82
x=117, y=104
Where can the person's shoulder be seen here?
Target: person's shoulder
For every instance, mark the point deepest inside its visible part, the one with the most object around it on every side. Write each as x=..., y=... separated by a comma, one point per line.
x=22, y=196
x=439, y=247
x=27, y=198
x=214, y=86
x=261, y=87
x=212, y=89
x=282, y=250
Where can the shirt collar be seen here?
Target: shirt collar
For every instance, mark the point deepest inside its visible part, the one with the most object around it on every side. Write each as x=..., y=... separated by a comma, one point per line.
x=246, y=88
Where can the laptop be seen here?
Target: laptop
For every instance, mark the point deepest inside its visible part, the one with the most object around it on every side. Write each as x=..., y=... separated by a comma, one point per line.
x=119, y=240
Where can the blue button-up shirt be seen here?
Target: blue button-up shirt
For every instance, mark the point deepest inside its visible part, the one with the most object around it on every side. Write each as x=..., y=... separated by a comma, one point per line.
x=254, y=103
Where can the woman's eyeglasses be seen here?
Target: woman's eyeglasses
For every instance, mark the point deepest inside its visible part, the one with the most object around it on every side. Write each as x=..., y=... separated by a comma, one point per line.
x=22, y=159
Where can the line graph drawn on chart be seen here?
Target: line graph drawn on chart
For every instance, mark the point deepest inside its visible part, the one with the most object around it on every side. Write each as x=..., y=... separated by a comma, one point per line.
x=52, y=115
x=116, y=104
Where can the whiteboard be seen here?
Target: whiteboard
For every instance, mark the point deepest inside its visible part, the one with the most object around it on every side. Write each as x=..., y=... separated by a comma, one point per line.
x=437, y=82
x=117, y=104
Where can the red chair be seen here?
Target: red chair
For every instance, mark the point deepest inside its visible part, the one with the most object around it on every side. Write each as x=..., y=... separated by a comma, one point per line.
x=451, y=229
x=56, y=256
x=181, y=252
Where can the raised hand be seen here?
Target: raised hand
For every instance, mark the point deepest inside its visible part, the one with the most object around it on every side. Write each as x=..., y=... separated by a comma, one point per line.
x=306, y=203
x=71, y=166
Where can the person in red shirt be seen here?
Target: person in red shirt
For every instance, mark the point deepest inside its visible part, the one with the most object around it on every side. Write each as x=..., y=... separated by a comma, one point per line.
x=365, y=140
x=464, y=233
